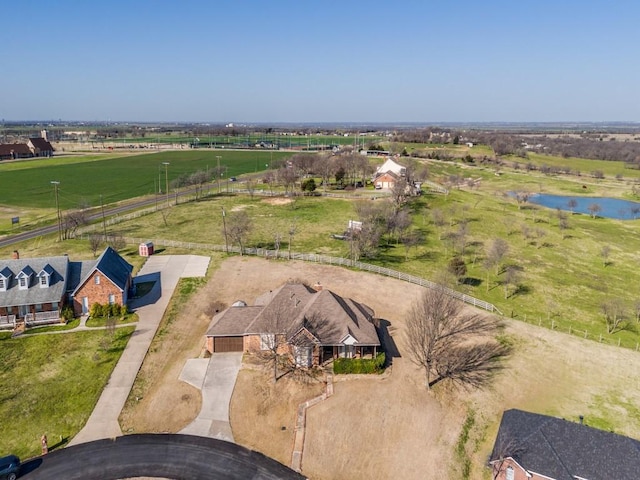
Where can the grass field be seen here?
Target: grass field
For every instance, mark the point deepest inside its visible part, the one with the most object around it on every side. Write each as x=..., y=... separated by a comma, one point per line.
x=50, y=384
x=84, y=180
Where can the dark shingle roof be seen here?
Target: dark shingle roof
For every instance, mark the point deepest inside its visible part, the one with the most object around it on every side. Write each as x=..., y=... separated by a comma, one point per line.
x=34, y=294
x=564, y=450
x=41, y=144
x=112, y=266
x=7, y=149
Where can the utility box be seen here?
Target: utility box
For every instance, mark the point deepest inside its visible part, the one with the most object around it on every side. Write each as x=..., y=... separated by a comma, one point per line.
x=145, y=249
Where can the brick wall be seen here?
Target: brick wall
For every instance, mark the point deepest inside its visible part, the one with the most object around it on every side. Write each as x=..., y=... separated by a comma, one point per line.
x=96, y=293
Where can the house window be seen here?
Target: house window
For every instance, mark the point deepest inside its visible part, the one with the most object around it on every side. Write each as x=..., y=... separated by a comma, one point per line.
x=346, y=351
x=44, y=281
x=97, y=279
x=22, y=283
x=112, y=299
x=54, y=307
x=510, y=474
x=267, y=341
x=38, y=307
x=303, y=356
x=2, y=284
x=9, y=310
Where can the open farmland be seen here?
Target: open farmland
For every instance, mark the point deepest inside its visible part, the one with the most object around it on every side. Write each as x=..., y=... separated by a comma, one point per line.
x=114, y=178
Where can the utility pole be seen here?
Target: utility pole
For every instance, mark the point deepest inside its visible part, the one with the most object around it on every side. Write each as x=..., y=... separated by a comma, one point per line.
x=104, y=224
x=166, y=179
x=218, y=157
x=55, y=184
x=224, y=224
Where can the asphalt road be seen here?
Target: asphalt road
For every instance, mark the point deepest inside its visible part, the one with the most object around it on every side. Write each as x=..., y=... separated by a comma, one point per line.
x=178, y=457
x=108, y=211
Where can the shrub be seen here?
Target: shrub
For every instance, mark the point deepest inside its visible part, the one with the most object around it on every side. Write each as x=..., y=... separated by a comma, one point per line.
x=67, y=313
x=359, y=365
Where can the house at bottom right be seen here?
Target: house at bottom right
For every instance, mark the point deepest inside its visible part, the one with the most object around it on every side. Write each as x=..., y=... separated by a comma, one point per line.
x=531, y=446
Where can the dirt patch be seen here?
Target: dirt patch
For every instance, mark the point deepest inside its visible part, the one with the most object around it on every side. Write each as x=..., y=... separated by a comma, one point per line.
x=277, y=201
x=389, y=426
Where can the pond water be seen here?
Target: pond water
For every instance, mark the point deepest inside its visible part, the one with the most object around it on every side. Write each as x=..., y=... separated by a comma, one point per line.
x=609, y=207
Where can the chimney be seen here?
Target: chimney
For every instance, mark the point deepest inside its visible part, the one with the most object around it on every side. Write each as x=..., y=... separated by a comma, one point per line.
x=15, y=255
x=317, y=287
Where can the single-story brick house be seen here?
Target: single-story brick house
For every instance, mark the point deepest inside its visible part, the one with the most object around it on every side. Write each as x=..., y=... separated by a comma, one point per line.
x=34, y=290
x=530, y=446
x=106, y=281
x=314, y=325
x=11, y=151
x=386, y=180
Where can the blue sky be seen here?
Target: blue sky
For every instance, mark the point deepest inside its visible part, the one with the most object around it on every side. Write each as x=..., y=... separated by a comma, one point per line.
x=331, y=61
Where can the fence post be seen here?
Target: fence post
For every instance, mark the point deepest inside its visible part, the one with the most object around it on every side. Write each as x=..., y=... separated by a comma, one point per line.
x=585, y=334
x=553, y=324
x=600, y=338
x=569, y=329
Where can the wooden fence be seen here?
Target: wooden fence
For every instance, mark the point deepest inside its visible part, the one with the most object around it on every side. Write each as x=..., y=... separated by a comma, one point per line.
x=323, y=259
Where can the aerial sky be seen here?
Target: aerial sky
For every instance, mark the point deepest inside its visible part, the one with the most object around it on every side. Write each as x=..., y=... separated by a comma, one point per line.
x=324, y=61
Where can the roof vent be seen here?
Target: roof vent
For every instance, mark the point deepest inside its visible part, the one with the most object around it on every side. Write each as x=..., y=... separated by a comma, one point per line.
x=15, y=255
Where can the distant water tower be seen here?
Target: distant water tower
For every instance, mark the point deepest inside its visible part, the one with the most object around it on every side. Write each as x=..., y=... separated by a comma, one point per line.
x=43, y=134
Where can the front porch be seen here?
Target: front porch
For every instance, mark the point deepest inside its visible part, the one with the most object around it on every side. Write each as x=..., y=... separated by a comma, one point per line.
x=331, y=352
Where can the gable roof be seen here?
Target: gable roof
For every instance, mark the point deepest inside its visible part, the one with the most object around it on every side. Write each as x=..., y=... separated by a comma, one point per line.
x=14, y=148
x=112, y=266
x=324, y=315
x=13, y=296
x=41, y=144
x=563, y=450
x=390, y=166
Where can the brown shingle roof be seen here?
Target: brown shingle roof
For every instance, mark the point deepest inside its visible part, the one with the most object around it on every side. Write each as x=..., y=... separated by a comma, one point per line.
x=292, y=307
x=17, y=148
x=233, y=321
x=41, y=144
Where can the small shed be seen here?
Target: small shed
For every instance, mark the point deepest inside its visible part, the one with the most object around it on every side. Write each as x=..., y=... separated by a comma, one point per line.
x=145, y=249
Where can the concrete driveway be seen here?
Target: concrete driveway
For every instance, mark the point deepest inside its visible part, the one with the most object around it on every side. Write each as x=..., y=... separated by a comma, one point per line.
x=216, y=377
x=103, y=422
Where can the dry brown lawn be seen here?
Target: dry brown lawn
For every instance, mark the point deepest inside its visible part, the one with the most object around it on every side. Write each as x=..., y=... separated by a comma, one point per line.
x=388, y=426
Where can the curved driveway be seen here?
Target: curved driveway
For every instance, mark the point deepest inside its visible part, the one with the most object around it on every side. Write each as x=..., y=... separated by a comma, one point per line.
x=166, y=270
x=178, y=457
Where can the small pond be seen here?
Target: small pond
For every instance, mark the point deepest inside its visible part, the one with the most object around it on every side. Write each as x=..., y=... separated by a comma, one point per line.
x=609, y=207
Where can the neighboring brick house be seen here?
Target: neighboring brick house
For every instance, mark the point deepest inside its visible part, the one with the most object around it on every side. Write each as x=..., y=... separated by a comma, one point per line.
x=40, y=147
x=388, y=174
x=530, y=446
x=12, y=151
x=312, y=324
x=107, y=281
x=385, y=180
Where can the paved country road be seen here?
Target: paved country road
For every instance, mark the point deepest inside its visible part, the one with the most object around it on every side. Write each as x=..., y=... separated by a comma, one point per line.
x=177, y=457
x=109, y=211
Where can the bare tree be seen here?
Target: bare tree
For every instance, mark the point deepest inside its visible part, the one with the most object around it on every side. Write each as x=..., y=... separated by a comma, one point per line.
x=270, y=179
x=496, y=252
x=511, y=279
x=94, y=243
x=251, y=187
x=71, y=221
x=449, y=342
x=238, y=228
x=288, y=177
x=614, y=314
x=292, y=233
x=522, y=197
x=572, y=204
x=505, y=448
x=411, y=240
x=594, y=209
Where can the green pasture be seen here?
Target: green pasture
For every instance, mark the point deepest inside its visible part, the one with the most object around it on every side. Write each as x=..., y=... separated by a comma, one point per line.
x=582, y=165
x=51, y=383
x=115, y=178
x=563, y=277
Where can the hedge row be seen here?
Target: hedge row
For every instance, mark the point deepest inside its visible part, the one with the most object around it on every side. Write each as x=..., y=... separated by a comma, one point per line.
x=359, y=365
x=112, y=310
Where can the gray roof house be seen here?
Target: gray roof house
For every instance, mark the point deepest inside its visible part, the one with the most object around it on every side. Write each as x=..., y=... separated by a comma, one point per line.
x=316, y=324
x=534, y=447
x=32, y=288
